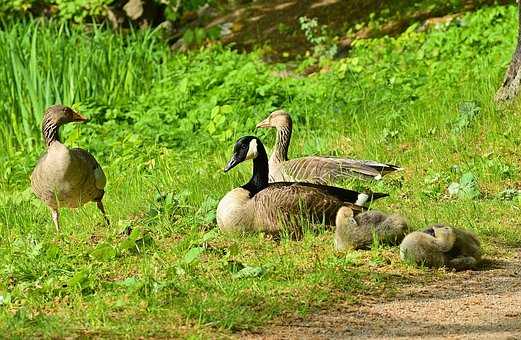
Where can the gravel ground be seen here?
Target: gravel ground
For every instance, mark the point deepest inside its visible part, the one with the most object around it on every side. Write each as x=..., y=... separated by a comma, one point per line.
x=483, y=304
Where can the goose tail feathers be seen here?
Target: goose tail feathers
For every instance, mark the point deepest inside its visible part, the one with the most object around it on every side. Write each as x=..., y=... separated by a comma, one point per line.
x=368, y=196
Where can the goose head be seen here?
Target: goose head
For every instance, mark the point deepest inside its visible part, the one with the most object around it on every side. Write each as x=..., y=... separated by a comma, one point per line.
x=59, y=115
x=431, y=230
x=54, y=117
x=276, y=119
x=245, y=148
x=345, y=217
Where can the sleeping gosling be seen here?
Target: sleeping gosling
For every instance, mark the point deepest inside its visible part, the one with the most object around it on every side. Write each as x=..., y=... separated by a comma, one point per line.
x=360, y=231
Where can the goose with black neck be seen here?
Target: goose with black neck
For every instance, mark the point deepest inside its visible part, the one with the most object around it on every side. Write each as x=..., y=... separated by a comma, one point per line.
x=269, y=207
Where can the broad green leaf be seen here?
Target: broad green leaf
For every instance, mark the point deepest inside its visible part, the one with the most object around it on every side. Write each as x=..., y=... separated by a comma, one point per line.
x=248, y=272
x=193, y=254
x=212, y=234
x=104, y=252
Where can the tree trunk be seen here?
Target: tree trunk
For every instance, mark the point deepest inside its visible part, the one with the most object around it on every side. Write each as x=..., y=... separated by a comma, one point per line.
x=510, y=87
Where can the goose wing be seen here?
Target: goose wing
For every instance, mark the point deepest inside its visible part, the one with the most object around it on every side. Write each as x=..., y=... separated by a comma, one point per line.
x=92, y=166
x=382, y=168
x=320, y=169
x=284, y=202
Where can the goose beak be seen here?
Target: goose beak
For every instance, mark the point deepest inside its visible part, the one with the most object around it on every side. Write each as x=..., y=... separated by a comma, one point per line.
x=231, y=164
x=264, y=124
x=78, y=117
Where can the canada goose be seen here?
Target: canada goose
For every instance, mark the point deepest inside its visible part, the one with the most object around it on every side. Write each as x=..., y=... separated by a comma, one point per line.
x=440, y=245
x=357, y=232
x=314, y=169
x=259, y=206
x=63, y=177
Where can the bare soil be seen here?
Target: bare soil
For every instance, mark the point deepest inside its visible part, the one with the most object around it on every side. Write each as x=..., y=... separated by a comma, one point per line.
x=275, y=23
x=484, y=304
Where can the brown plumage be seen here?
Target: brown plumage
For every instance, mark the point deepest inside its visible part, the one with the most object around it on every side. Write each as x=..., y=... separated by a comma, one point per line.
x=63, y=177
x=358, y=232
x=441, y=245
x=259, y=206
x=314, y=169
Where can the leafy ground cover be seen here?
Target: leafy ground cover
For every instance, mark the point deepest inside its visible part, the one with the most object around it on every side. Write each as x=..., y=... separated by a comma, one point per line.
x=338, y=22
x=248, y=24
x=163, y=125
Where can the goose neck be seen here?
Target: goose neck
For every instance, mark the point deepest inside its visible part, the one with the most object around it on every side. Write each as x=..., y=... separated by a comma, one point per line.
x=50, y=131
x=280, y=152
x=260, y=176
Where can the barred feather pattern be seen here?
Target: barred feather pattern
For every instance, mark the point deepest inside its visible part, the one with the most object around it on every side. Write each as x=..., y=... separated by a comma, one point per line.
x=285, y=205
x=50, y=130
x=273, y=207
x=319, y=169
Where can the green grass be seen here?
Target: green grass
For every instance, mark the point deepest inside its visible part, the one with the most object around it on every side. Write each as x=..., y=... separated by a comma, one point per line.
x=422, y=100
x=48, y=62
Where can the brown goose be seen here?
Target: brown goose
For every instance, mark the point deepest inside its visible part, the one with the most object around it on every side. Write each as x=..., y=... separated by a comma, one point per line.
x=259, y=206
x=314, y=169
x=63, y=177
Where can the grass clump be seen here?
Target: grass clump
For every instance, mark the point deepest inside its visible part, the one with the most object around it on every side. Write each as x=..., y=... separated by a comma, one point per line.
x=48, y=62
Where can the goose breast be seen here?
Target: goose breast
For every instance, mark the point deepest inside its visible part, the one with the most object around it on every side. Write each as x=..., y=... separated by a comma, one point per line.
x=233, y=211
x=67, y=178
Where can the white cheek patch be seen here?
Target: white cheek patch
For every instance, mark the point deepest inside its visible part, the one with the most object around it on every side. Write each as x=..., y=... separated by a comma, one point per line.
x=252, y=150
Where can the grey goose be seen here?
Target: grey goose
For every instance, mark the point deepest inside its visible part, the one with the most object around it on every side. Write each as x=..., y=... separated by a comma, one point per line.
x=64, y=177
x=314, y=169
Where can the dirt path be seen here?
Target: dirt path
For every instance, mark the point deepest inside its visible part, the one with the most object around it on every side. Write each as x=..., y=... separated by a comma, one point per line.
x=467, y=305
